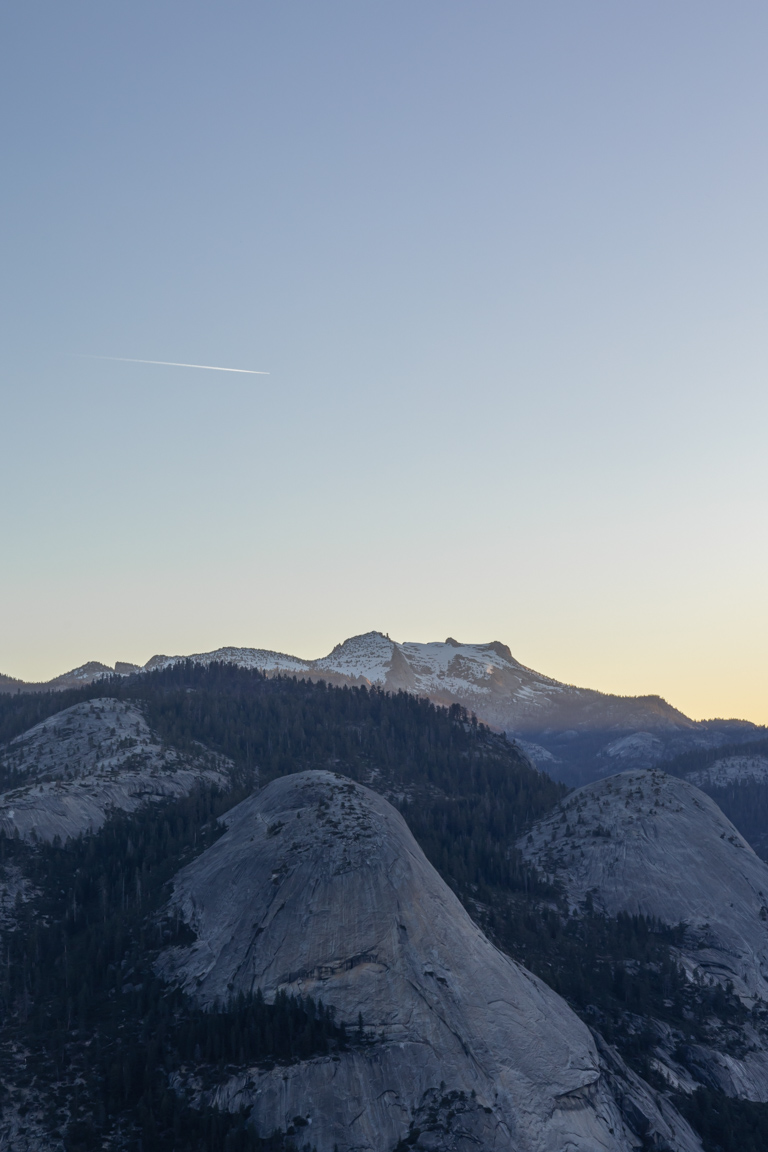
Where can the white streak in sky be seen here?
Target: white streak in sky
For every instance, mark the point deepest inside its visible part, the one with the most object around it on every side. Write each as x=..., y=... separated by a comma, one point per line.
x=173, y=364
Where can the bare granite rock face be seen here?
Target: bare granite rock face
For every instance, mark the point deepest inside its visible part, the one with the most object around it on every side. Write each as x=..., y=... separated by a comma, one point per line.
x=644, y=842
x=68, y=772
x=318, y=888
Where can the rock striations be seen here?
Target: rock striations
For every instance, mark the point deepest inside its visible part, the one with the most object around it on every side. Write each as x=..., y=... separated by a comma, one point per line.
x=318, y=888
x=65, y=775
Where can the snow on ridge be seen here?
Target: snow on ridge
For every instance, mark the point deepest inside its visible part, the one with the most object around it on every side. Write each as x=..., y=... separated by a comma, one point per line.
x=261, y=658
x=440, y=656
x=88, y=669
x=435, y=666
x=369, y=655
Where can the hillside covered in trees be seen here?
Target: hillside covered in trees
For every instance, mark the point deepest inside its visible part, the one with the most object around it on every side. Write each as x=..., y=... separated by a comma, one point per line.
x=82, y=1009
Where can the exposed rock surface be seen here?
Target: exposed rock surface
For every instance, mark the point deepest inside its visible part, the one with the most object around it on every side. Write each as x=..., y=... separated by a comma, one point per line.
x=65, y=775
x=644, y=842
x=317, y=887
x=637, y=750
x=731, y=770
x=75, y=678
x=486, y=678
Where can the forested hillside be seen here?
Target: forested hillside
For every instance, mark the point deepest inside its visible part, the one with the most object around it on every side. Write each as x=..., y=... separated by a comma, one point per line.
x=79, y=999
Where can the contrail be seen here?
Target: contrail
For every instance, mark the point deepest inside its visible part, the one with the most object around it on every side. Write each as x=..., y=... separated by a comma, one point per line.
x=171, y=364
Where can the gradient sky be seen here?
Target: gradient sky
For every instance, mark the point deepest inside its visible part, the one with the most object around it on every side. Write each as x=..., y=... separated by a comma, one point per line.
x=506, y=266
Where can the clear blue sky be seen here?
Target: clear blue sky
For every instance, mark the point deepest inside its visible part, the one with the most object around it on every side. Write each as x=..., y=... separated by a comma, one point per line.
x=506, y=266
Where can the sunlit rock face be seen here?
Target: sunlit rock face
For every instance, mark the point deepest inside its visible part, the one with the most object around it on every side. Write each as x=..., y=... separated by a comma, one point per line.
x=66, y=774
x=644, y=842
x=317, y=887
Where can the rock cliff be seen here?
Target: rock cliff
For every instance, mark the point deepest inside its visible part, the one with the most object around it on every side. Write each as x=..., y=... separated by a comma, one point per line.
x=574, y=734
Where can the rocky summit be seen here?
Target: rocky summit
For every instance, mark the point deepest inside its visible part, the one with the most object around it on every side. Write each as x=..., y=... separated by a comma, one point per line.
x=317, y=888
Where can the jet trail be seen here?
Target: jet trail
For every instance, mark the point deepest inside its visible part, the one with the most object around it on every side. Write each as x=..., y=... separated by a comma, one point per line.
x=172, y=364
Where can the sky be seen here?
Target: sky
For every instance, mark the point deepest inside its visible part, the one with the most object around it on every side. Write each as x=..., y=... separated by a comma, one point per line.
x=505, y=264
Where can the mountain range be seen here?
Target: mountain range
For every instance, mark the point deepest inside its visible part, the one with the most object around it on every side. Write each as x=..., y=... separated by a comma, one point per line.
x=575, y=734
x=265, y=912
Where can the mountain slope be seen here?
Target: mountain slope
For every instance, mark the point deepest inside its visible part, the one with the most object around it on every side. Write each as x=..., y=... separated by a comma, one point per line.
x=66, y=774
x=649, y=844
x=317, y=887
x=485, y=678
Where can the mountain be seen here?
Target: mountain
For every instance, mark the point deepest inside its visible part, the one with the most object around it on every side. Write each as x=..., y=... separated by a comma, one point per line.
x=575, y=734
x=645, y=843
x=736, y=777
x=84, y=674
x=64, y=775
x=318, y=889
x=108, y=1040
x=484, y=678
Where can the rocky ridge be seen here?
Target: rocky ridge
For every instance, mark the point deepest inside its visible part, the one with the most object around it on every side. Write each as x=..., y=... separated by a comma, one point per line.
x=318, y=888
x=644, y=842
x=485, y=678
